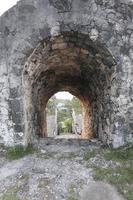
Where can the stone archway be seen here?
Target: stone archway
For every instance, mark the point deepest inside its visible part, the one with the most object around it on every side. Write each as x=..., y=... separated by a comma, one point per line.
x=106, y=27
x=65, y=117
x=74, y=63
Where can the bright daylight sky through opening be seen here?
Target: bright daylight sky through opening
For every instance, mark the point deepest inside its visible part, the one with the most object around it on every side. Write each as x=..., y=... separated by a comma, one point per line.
x=6, y=4
x=63, y=95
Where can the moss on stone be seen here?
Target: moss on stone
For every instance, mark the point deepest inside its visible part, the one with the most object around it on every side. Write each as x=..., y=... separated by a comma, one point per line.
x=17, y=152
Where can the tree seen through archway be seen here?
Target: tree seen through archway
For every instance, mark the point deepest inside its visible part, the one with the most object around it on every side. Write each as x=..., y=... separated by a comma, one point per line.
x=64, y=116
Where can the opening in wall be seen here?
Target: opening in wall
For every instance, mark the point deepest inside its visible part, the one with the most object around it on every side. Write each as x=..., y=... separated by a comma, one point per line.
x=73, y=63
x=64, y=116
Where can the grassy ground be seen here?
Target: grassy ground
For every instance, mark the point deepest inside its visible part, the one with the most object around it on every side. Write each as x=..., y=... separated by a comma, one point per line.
x=11, y=194
x=122, y=154
x=17, y=152
x=121, y=177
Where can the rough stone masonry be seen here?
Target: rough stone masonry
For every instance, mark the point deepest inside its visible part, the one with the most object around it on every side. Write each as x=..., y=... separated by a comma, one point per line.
x=81, y=46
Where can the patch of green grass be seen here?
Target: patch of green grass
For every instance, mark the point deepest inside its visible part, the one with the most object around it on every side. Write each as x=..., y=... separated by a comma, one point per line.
x=71, y=198
x=120, y=154
x=2, y=146
x=72, y=193
x=17, y=152
x=11, y=194
x=120, y=177
x=44, y=182
x=89, y=154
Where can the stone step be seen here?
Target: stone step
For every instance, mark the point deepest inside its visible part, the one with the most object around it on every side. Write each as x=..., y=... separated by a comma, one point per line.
x=69, y=142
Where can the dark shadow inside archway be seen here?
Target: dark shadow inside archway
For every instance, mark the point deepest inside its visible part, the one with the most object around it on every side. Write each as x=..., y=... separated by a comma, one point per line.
x=74, y=63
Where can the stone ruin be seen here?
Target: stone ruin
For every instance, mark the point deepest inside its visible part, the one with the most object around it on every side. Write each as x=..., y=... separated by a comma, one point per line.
x=52, y=124
x=84, y=47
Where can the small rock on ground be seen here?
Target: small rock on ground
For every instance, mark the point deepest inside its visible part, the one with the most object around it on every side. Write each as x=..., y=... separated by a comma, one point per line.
x=100, y=191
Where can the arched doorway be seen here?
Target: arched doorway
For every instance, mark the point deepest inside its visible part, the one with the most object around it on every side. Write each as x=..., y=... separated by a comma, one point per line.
x=74, y=63
x=64, y=116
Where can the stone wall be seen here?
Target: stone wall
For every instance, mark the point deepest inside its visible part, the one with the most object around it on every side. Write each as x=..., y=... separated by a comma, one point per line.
x=77, y=124
x=109, y=24
x=51, y=126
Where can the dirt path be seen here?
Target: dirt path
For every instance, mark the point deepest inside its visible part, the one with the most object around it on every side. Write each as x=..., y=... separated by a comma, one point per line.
x=56, y=171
